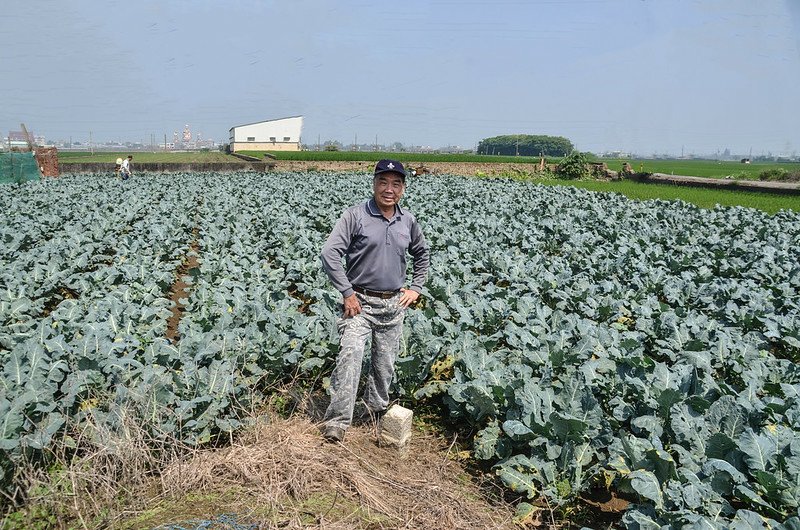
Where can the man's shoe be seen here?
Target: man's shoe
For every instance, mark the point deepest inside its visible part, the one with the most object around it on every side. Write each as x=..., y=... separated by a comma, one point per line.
x=333, y=433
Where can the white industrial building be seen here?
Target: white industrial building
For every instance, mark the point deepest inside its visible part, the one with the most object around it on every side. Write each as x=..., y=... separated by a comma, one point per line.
x=272, y=135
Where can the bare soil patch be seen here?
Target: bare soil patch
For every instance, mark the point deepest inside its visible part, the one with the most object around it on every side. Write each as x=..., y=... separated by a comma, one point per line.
x=178, y=291
x=180, y=288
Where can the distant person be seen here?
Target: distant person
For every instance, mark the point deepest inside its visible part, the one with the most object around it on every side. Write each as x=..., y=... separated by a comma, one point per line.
x=118, y=167
x=125, y=169
x=373, y=238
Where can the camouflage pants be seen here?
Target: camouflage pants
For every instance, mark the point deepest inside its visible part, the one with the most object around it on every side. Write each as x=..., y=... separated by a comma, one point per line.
x=383, y=320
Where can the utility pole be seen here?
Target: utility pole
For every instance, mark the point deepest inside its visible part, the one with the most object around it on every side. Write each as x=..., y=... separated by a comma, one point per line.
x=91, y=147
x=376, y=142
x=165, y=142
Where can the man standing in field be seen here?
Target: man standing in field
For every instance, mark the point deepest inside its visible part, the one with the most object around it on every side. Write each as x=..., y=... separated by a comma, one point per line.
x=125, y=169
x=373, y=237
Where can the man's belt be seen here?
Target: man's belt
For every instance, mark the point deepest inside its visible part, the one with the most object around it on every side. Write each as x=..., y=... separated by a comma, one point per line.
x=377, y=294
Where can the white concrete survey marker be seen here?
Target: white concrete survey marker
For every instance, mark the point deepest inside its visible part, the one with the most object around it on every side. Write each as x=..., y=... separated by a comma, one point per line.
x=396, y=426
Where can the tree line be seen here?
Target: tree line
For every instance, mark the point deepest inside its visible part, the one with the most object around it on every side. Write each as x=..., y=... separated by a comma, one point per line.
x=525, y=145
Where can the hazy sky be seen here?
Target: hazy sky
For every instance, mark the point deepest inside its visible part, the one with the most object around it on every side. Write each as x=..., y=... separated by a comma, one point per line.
x=637, y=75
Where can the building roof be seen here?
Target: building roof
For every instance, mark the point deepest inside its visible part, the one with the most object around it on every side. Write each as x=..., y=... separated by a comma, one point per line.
x=263, y=121
x=18, y=136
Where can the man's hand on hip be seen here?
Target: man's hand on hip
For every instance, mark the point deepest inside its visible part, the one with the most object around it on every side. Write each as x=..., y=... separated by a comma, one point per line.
x=351, y=306
x=408, y=297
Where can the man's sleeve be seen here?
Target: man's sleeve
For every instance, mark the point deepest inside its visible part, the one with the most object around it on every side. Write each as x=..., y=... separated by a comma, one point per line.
x=422, y=257
x=333, y=250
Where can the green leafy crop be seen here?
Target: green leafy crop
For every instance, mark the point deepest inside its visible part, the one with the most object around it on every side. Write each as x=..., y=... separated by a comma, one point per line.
x=586, y=340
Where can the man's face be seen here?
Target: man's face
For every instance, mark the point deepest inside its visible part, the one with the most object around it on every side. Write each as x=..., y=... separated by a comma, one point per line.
x=387, y=189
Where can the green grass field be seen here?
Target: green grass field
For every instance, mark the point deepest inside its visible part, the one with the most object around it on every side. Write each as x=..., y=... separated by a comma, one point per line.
x=702, y=197
x=702, y=168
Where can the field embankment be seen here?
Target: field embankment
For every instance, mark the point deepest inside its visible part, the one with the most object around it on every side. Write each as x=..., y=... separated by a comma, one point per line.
x=465, y=169
x=788, y=188
x=103, y=162
x=167, y=167
x=108, y=157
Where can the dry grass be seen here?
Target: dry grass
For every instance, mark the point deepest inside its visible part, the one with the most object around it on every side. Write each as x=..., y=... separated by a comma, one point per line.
x=286, y=462
x=279, y=474
x=91, y=473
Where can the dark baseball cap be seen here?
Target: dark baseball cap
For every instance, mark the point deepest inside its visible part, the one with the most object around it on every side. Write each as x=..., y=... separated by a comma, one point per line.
x=390, y=166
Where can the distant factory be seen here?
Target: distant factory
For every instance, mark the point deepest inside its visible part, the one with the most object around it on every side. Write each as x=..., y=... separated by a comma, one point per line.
x=187, y=140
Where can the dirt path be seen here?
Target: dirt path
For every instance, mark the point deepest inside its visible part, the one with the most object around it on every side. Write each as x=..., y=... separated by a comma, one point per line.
x=180, y=288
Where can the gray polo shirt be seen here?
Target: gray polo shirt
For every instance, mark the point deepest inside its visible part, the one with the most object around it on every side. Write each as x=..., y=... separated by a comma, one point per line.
x=375, y=249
